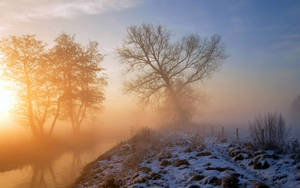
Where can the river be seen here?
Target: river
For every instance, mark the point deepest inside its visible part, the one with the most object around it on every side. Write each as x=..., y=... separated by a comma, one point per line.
x=58, y=173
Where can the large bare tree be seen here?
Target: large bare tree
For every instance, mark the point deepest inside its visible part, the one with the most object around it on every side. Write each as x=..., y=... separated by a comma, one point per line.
x=166, y=70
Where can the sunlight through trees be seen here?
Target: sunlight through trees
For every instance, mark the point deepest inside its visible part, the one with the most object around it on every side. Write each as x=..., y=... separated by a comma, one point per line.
x=62, y=82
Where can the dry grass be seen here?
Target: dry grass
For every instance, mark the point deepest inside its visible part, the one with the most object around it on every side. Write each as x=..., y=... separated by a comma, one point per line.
x=269, y=132
x=144, y=145
x=196, y=141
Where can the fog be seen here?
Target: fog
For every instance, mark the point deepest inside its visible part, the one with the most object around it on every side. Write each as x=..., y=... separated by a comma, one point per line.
x=229, y=98
x=252, y=72
x=223, y=104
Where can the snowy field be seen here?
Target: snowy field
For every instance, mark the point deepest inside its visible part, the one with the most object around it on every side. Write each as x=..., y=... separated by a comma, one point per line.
x=185, y=159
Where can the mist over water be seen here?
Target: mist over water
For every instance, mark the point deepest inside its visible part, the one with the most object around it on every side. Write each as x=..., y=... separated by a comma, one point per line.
x=50, y=162
x=59, y=172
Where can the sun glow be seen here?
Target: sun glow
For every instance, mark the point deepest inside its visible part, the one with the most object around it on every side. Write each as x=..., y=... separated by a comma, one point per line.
x=6, y=100
x=6, y=97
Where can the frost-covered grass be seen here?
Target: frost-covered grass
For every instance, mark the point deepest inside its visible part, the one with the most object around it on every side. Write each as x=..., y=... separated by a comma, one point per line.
x=185, y=159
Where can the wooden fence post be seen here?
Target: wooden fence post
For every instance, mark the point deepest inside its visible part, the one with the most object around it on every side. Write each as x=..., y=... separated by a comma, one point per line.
x=237, y=133
x=263, y=136
x=222, y=133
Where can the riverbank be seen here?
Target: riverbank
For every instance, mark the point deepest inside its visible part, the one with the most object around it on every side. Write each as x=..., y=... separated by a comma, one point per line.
x=185, y=159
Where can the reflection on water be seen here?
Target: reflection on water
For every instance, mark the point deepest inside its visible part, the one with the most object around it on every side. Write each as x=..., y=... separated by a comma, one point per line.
x=38, y=174
x=52, y=173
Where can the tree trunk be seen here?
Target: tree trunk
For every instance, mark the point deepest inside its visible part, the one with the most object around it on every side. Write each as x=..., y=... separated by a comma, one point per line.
x=55, y=117
x=179, y=114
x=29, y=104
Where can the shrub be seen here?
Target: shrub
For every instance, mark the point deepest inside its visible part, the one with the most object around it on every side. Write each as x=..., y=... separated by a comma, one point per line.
x=269, y=131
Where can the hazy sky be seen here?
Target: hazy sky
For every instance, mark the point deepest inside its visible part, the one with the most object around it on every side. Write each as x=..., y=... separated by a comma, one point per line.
x=262, y=40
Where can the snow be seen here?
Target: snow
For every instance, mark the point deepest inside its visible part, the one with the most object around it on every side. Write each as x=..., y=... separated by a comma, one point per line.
x=186, y=160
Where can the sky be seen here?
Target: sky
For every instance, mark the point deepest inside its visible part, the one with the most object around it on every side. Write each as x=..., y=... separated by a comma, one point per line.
x=262, y=39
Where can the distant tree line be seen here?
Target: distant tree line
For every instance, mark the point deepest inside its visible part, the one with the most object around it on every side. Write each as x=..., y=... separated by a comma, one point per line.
x=63, y=82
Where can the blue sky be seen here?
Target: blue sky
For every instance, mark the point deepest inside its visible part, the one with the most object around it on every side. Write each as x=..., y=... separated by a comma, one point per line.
x=262, y=39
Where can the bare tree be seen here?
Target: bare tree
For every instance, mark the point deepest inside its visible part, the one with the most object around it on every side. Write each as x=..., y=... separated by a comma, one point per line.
x=26, y=63
x=164, y=70
x=79, y=77
x=62, y=82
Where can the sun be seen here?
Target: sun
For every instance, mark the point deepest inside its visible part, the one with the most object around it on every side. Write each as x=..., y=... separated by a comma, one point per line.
x=6, y=100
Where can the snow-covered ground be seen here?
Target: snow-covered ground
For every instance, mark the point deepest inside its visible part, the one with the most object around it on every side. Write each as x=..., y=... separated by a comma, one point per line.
x=185, y=159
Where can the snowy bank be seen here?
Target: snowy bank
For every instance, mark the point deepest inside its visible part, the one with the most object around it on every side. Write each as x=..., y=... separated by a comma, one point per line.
x=185, y=159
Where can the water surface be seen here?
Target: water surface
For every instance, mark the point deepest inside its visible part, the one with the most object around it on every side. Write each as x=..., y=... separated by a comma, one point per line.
x=60, y=172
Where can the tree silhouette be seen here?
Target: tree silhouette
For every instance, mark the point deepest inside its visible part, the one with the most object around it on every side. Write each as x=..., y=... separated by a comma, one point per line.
x=79, y=77
x=63, y=82
x=167, y=71
x=26, y=63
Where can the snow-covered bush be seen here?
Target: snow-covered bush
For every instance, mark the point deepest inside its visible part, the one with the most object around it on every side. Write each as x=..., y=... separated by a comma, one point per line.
x=269, y=132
